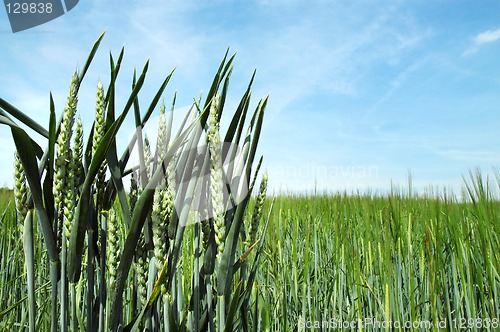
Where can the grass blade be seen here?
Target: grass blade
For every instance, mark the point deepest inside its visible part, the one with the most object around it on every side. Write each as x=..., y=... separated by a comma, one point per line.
x=23, y=118
x=90, y=57
x=28, y=160
x=82, y=209
x=29, y=255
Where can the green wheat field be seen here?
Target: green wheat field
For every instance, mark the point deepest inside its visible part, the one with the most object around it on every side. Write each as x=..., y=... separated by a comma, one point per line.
x=79, y=252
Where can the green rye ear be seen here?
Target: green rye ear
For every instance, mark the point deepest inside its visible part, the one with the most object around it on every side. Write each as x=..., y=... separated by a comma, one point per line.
x=87, y=217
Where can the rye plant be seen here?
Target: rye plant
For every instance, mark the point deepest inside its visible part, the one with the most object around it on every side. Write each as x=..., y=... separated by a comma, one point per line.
x=171, y=253
x=179, y=244
x=398, y=262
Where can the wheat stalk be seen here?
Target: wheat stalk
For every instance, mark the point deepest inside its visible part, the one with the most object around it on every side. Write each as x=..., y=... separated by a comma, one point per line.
x=20, y=189
x=257, y=212
x=99, y=131
x=113, y=248
x=78, y=215
x=216, y=184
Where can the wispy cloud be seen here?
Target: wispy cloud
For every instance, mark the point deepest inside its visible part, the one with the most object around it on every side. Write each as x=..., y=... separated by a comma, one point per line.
x=487, y=37
x=351, y=84
x=481, y=39
x=470, y=156
x=396, y=83
x=333, y=55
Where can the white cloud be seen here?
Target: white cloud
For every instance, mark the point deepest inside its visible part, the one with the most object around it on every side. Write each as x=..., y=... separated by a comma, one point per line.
x=487, y=37
x=481, y=39
x=337, y=51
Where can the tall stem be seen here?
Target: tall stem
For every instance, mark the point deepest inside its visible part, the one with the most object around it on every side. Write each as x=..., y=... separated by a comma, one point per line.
x=29, y=253
x=102, y=275
x=90, y=280
x=64, y=285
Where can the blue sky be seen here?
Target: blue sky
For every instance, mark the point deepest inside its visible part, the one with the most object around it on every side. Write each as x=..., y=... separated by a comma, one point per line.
x=361, y=92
